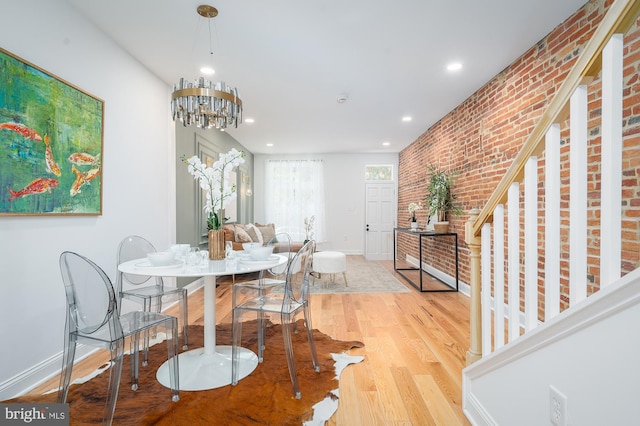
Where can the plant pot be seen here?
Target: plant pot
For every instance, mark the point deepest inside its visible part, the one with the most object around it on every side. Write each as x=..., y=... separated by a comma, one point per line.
x=216, y=244
x=414, y=225
x=441, y=227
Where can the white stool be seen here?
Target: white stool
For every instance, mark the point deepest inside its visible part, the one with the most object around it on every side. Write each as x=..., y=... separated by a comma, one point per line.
x=330, y=262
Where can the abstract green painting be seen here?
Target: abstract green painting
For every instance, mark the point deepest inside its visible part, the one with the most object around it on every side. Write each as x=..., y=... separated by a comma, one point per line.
x=51, y=142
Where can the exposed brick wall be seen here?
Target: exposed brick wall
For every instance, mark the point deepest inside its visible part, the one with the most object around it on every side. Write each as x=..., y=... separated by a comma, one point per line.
x=480, y=138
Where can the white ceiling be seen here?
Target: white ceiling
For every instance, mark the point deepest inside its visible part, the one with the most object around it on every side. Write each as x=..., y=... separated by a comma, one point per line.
x=292, y=59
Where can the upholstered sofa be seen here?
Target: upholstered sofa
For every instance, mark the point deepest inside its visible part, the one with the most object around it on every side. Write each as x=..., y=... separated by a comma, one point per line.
x=253, y=233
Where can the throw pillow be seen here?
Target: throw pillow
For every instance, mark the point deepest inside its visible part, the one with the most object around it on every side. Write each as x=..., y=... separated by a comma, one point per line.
x=241, y=235
x=229, y=233
x=254, y=233
x=268, y=231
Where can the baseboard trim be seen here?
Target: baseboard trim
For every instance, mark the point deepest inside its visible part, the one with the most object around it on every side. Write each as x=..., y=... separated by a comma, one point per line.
x=474, y=411
x=27, y=380
x=449, y=280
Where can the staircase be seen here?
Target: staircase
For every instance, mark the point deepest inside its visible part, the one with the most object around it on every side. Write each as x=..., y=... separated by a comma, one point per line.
x=555, y=302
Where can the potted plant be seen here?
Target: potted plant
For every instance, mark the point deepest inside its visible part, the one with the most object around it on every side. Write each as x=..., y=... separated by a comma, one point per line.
x=220, y=191
x=413, y=207
x=440, y=198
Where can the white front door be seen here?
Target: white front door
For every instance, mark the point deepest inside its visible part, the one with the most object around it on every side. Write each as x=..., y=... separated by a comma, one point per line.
x=380, y=208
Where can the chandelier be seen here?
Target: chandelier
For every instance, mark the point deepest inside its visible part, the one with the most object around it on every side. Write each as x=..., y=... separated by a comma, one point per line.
x=206, y=103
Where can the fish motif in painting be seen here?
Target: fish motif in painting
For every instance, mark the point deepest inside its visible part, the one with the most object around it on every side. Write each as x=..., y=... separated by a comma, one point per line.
x=52, y=167
x=84, y=159
x=23, y=130
x=82, y=179
x=37, y=186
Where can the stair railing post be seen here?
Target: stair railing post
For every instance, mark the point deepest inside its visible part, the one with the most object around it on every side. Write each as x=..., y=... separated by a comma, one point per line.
x=474, y=243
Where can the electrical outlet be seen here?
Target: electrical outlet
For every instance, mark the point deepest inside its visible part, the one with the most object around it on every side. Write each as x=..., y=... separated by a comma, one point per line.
x=557, y=407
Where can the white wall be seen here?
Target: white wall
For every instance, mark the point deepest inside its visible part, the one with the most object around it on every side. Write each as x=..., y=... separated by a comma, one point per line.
x=138, y=182
x=344, y=195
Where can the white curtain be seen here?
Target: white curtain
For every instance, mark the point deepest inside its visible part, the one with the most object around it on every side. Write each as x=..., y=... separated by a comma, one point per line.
x=294, y=190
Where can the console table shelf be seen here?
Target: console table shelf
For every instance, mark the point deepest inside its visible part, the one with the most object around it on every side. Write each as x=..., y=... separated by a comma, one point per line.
x=419, y=236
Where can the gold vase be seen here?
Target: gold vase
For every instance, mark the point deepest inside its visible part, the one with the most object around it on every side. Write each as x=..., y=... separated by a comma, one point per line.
x=441, y=227
x=216, y=244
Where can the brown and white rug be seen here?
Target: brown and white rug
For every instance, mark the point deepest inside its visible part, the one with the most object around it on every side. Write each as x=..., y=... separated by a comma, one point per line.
x=265, y=397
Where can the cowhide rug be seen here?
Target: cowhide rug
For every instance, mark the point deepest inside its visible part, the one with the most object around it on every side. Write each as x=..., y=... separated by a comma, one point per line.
x=265, y=397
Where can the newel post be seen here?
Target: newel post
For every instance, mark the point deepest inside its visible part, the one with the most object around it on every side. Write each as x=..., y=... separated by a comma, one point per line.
x=473, y=242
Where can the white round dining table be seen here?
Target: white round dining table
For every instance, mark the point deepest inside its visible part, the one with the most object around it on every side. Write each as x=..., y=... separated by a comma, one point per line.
x=208, y=367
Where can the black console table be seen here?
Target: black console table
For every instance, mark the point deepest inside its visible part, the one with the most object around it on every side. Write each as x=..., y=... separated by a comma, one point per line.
x=420, y=234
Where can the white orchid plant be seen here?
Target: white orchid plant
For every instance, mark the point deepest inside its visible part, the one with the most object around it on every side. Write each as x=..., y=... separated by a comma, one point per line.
x=214, y=180
x=308, y=227
x=413, y=208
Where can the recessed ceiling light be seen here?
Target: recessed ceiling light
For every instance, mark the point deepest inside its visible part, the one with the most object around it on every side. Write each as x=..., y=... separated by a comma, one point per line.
x=386, y=143
x=454, y=66
x=207, y=70
x=406, y=118
x=269, y=144
x=249, y=120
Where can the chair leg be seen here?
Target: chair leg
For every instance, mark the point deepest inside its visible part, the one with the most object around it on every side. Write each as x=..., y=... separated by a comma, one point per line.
x=344, y=275
x=312, y=342
x=288, y=347
x=184, y=317
x=117, y=353
x=146, y=307
x=236, y=338
x=68, y=356
x=134, y=359
x=261, y=317
x=171, y=329
x=154, y=330
x=261, y=345
x=294, y=322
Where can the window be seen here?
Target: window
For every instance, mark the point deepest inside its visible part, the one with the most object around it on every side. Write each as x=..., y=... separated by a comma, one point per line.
x=378, y=173
x=294, y=190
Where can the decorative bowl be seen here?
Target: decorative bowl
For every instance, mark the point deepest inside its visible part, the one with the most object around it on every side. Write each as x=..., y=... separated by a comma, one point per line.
x=248, y=246
x=161, y=258
x=261, y=253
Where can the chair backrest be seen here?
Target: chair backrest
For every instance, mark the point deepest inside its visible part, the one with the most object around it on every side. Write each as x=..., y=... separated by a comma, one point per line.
x=130, y=248
x=281, y=243
x=91, y=300
x=296, y=289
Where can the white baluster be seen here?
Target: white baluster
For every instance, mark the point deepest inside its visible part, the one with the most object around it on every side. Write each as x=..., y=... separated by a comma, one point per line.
x=578, y=196
x=552, y=222
x=485, y=274
x=611, y=210
x=531, y=243
x=513, y=247
x=498, y=274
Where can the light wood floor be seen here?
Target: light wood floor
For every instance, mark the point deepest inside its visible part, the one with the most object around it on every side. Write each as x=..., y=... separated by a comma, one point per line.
x=414, y=349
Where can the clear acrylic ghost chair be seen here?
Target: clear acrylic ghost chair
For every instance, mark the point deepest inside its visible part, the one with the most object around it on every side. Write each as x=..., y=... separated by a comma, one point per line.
x=150, y=296
x=93, y=319
x=267, y=280
x=271, y=278
x=294, y=299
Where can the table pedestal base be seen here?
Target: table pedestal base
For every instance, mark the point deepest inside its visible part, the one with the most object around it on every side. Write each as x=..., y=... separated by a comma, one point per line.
x=200, y=371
